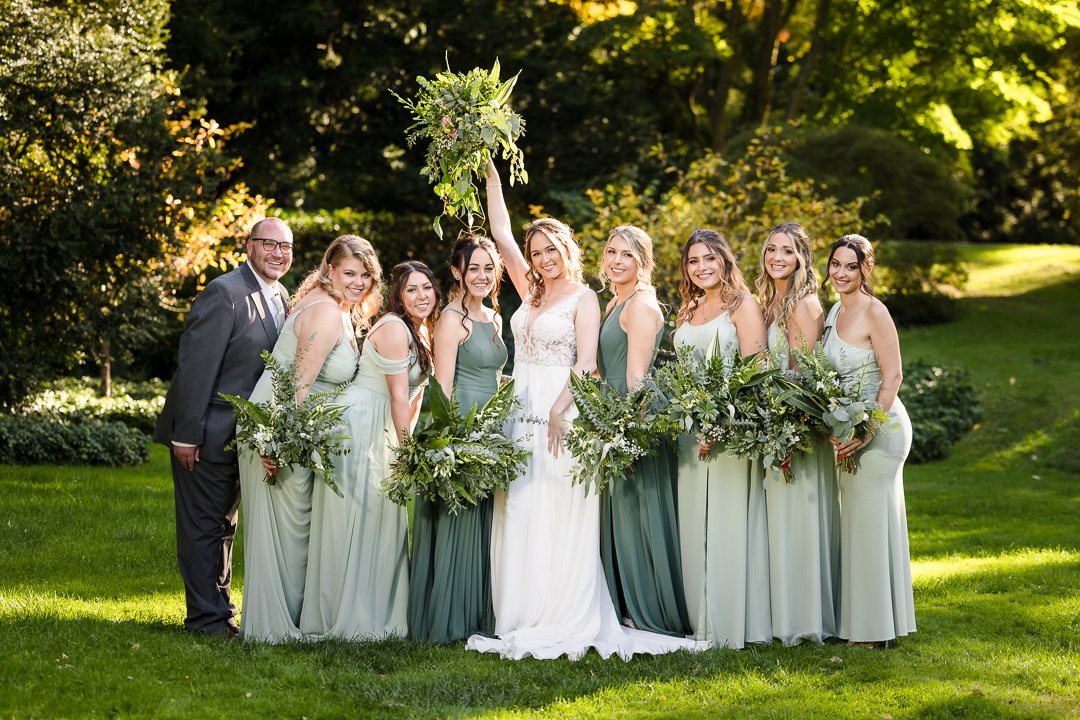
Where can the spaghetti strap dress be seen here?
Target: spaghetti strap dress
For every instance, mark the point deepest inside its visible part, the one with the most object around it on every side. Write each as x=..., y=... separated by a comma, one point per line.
x=723, y=528
x=277, y=518
x=804, y=536
x=450, y=581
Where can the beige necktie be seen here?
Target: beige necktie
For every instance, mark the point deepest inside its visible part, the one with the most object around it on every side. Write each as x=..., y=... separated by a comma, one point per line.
x=279, y=311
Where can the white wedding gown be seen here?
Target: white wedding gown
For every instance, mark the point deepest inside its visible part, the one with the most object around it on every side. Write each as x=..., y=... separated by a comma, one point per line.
x=548, y=586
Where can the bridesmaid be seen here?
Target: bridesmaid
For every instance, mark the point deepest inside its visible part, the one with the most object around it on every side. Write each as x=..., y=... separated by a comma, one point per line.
x=722, y=517
x=803, y=515
x=450, y=585
x=330, y=304
x=357, y=576
x=876, y=599
x=639, y=531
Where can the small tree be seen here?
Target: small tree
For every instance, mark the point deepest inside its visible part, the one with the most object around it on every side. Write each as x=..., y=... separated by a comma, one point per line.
x=105, y=176
x=742, y=198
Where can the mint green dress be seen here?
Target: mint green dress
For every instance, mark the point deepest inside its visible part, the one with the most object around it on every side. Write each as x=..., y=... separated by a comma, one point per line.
x=357, y=582
x=450, y=583
x=804, y=536
x=277, y=518
x=876, y=598
x=639, y=529
x=723, y=530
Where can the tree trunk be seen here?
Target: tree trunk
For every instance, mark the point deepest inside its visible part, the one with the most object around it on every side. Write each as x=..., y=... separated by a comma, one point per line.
x=726, y=72
x=106, y=369
x=759, y=94
x=809, y=61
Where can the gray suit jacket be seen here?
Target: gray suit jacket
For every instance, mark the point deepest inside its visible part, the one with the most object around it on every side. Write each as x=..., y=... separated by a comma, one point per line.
x=227, y=329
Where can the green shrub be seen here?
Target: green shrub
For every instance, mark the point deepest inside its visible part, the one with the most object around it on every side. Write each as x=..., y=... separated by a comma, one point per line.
x=38, y=440
x=135, y=404
x=921, y=193
x=942, y=404
x=916, y=281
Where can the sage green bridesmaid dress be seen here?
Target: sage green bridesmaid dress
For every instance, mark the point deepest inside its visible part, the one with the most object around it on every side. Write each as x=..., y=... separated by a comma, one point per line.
x=450, y=581
x=723, y=530
x=804, y=536
x=277, y=518
x=357, y=583
x=876, y=598
x=639, y=528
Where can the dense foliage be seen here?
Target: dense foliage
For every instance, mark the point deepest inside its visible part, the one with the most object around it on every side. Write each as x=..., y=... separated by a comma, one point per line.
x=942, y=404
x=40, y=440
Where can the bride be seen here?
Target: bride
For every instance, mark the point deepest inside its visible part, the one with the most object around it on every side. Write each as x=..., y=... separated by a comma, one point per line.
x=548, y=587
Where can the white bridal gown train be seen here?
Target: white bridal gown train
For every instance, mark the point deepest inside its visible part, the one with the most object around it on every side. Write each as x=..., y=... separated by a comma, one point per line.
x=548, y=587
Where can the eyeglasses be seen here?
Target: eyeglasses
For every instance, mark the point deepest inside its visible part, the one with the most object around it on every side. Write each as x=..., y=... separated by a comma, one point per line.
x=272, y=245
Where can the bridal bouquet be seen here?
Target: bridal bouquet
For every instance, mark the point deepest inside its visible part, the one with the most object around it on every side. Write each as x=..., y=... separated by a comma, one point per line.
x=841, y=410
x=466, y=117
x=459, y=459
x=611, y=431
x=308, y=434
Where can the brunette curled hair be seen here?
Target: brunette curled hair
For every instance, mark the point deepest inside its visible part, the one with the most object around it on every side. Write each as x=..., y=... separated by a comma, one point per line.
x=399, y=276
x=460, y=257
x=864, y=252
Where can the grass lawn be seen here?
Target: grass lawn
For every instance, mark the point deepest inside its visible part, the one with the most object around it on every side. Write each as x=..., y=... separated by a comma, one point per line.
x=91, y=602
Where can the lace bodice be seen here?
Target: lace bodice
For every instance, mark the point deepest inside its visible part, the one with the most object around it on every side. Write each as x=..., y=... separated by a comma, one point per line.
x=552, y=337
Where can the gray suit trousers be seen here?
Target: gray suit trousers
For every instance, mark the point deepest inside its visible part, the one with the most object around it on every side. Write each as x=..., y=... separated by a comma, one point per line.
x=206, y=503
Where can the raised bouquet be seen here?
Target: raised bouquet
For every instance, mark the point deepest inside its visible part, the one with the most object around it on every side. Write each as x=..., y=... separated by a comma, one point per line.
x=841, y=410
x=457, y=458
x=308, y=434
x=721, y=400
x=611, y=430
x=466, y=117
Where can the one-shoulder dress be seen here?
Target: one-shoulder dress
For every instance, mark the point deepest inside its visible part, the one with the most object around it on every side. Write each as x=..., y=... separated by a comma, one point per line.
x=357, y=583
x=639, y=528
x=876, y=598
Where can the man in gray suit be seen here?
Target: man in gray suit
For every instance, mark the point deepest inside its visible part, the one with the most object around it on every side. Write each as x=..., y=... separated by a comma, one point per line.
x=231, y=322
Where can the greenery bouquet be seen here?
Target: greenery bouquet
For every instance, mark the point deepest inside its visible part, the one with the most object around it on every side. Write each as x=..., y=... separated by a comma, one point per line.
x=466, y=117
x=841, y=410
x=722, y=400
x=611, y=431
x=457, y=458
x=308, y=434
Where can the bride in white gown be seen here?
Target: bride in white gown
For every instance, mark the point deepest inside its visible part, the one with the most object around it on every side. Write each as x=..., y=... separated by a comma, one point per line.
x=548, y=586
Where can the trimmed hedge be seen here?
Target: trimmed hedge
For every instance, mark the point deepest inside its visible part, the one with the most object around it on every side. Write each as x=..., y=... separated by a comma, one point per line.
x=942, y=404
x=135, y=404
x=38, y=440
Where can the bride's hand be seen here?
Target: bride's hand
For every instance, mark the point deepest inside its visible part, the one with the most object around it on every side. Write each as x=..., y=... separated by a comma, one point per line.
x=556, y=433
x=270, y=468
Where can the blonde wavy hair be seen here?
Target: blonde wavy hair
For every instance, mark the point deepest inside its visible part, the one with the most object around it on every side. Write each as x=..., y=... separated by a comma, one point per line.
x=803, y=281
x=641, y=247
x=560, y=234
x=732, y=285
x=342, y=248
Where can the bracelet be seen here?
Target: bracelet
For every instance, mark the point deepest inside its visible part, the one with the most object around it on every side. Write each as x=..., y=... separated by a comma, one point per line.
x=489, y=185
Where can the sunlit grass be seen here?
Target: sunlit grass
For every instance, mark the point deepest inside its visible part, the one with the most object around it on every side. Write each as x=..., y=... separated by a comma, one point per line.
x=91, y=602
x=1007, y=270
